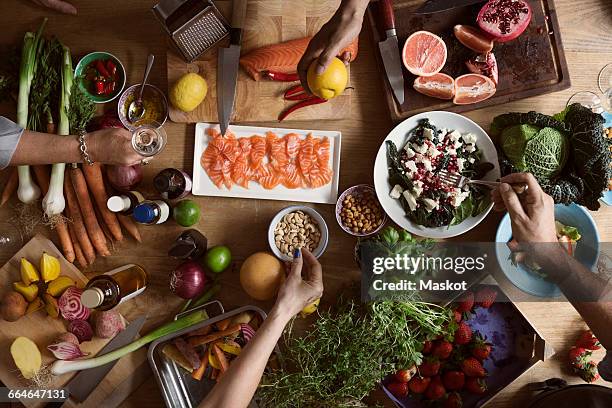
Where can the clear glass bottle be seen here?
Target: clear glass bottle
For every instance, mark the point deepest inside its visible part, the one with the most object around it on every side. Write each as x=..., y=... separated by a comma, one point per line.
x=172, y=184
x=151, y=212
x=114, y=287
x=125, y=203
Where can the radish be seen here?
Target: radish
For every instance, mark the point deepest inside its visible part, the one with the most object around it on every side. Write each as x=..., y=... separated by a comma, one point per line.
x=504, y=19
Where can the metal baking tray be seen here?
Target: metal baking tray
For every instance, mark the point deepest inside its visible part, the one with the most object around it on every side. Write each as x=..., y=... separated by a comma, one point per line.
x=178, y=388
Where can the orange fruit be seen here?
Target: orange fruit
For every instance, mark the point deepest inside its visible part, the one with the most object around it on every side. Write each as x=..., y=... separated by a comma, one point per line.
x=438, y=85
x=424, y=53
x=473, y=88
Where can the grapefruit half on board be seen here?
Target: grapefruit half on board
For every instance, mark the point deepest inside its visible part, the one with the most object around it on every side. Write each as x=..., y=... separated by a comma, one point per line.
x=438, y=85
x=473, y=88
x=424, y=53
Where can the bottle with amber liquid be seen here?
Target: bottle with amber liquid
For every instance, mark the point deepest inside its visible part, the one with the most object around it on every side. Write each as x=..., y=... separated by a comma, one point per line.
x=112, y=288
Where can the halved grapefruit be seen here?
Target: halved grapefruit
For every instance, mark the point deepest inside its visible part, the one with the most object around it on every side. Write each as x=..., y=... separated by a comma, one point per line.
x=473, y=88
x=438, y=85
x=424, y=53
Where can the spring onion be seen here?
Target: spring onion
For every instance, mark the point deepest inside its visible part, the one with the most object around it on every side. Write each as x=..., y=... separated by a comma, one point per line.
x=62, y=367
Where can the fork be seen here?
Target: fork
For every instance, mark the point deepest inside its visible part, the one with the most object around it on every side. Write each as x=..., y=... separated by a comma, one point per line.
x=459, y=181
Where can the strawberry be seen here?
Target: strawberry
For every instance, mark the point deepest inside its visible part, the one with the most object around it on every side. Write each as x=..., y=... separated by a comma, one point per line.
x=578, y=356
x=457, y=315
x=399, y=390
x=475, y=385
x=404, y=376
x=435, y=390
x=485, y=296
x=472, y=367
x=463, y=335
x=427, y=346
x=589, y=372
x=442, y=349
x=466, y=302
x=429, y=367
x=418, y=385
x=588, y=341
x=480, y=348
x=453, y=401
x=453, y=380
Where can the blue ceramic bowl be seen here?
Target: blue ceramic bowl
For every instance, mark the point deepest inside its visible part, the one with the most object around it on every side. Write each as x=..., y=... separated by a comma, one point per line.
x=587, y=250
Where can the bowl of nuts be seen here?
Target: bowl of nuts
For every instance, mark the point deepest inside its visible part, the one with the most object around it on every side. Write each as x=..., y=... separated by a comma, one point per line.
x=358, y=211
x=297, y=227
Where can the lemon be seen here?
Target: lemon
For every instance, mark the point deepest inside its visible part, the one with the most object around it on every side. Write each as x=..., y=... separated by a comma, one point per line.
x=330, y=83
x=188, y=92
x=311, y=308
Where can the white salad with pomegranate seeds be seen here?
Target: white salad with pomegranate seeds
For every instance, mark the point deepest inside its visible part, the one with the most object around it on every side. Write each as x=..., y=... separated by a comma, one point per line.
x=414, y=175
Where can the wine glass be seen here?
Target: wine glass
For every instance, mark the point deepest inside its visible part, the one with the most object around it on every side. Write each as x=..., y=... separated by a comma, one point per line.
x=587, y=99
x=604, y=80
x=11, y=240
x=148, y=138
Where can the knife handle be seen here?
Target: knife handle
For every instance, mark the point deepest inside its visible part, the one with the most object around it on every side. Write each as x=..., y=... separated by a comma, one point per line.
x=387, y=15
x=239, y=8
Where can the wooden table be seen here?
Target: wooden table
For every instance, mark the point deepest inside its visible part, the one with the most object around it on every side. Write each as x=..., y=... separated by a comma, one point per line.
x=129, y=30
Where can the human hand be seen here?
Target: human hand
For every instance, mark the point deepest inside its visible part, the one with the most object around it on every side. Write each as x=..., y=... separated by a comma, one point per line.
x=57, y=5
x=112, y=146
x=303, y=285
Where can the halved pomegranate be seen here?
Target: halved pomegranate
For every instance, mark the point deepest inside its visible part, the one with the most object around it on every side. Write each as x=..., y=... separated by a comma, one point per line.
x=439, y=86
x=473, y=88
x=484, y=64
x=473, y=38
x=504, y=19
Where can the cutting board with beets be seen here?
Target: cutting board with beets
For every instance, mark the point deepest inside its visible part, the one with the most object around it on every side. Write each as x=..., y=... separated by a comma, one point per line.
x=533, y=64
x=267, y=22
x=119, y=383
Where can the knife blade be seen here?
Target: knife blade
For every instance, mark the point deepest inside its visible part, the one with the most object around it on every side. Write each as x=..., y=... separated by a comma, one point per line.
x=436, y=6
x=227, y=66
x=389, y=51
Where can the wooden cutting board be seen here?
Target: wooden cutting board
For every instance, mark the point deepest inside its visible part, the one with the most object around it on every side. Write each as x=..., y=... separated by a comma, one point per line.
x=533, y=64
x=126, y=375
x=268, y=22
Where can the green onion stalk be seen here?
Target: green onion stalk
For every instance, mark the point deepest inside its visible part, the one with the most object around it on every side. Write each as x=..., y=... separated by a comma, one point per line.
x=28, y=191
x=62, y=366
x=54, y=203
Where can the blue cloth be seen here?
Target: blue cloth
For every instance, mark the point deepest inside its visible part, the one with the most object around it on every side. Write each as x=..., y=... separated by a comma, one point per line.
x=10, y=133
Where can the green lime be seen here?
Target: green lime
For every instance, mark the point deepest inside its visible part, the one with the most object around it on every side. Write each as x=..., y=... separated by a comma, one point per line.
x=187, y=213
x=218, y=258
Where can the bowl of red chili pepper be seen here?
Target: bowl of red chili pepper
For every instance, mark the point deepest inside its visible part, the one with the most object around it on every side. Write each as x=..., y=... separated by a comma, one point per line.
x=101, y=76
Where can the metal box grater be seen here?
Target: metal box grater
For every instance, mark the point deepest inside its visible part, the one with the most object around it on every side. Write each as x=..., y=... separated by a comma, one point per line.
x=195, y=26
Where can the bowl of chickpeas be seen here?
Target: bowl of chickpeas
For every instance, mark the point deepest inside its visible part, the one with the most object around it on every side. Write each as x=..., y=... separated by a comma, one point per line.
x=359, y=212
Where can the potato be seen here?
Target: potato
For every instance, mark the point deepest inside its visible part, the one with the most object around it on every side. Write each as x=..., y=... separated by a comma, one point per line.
x=13, y=306
x=26, y=356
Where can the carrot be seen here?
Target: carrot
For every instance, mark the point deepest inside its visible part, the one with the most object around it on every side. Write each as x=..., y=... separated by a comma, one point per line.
x=223, y=324
x=42, y=174
x=221, y=357
x=89, y=216
x=214, y=374
x=199, y=340
x=74, y=212
x=11, y=186
x=78, y=252
x=200, y=332
x=199, y=373
x=130, y=226
x=95, y=182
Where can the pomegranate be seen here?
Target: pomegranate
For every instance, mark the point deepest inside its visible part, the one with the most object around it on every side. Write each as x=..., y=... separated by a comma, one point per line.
x=484, y=64
x=473, y=38
x=504, y=19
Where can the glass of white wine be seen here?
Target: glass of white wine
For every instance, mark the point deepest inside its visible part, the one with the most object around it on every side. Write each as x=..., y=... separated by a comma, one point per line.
x=587, y=99
x=149, y=138
x=604, y=81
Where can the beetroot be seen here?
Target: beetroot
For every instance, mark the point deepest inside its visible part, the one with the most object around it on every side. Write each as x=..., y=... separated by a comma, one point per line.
x=81, y=329
x=484, y=64
x=504, y=19
x=70, y=305
x=107, y=324
x=66, y=337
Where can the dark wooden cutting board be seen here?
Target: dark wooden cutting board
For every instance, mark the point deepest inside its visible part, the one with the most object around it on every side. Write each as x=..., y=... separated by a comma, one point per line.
x=533, y=64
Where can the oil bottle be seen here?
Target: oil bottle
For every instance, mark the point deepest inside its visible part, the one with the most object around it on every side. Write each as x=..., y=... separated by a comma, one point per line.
x=114, y=287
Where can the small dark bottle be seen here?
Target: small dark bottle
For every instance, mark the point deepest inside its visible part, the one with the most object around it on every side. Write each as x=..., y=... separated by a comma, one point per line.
x=190, y=245
x=124, y=203
x=172, y=184
x=112, y=288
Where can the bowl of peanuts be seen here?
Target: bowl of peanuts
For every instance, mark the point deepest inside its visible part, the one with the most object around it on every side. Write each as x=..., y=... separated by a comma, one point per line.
x=297, y=227
x=358, y=211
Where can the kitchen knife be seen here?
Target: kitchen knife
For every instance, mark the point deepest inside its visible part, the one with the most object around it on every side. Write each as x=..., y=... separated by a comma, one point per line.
x=84, y=382
x=227, y=66
x=436, y=6
x=389, y=51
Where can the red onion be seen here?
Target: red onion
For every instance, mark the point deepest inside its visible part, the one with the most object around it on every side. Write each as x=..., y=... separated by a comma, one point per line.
x=69, y=337
x=188, y=280
x=124, y=178
x=70, y=305
x=65, y=350
x=247, y=332
x=81, y=329
x=105, y=122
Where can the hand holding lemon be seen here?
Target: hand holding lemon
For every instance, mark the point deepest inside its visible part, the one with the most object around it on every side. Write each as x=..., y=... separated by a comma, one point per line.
x=331, y=83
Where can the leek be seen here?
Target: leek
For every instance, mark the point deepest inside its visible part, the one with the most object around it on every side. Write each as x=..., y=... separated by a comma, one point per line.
x=61, y=367
x=54, y=203
x=27, y=192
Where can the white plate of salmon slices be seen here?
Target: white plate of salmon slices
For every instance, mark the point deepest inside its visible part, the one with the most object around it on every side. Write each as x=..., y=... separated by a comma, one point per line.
x=267, y=163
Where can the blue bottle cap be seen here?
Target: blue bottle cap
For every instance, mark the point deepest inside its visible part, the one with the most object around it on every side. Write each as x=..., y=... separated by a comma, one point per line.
x=144, y=214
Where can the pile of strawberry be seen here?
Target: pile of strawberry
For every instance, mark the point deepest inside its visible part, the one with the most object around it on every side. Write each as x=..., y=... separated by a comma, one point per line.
x=580, y=356
x=451, y=363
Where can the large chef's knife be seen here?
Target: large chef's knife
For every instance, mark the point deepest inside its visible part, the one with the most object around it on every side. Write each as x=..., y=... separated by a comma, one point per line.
x=389, y=51
x=436, y=6
x=227, y=66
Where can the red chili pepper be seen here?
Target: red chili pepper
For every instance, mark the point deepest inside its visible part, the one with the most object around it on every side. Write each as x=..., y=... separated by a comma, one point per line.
x=102, y=69
x=296, y=93
x=314, y=100
x=281, y=76
x=111, y=67
x=109, y=88
x=99, y=87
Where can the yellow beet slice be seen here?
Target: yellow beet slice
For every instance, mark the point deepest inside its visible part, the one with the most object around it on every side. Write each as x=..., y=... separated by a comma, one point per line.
x=49, y=267
x=29, y=291
x=28, y=271
x=58, y=286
